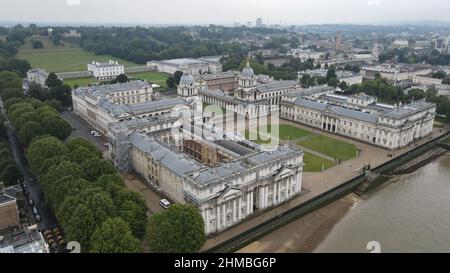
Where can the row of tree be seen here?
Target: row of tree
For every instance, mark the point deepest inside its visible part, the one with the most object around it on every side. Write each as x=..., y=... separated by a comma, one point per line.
x=9, y=172
x=86, y=193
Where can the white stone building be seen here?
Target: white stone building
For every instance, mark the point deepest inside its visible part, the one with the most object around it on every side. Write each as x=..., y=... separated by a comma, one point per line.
x=250, y=99
x=347, y=76
x=37, y=75
x=246, y=179
x=103, y=105
x=396, y=73
x=390, y=127
x=187, y=65
x=103, y=71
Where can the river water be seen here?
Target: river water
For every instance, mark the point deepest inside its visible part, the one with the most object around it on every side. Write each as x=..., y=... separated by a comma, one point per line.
x=411, y=215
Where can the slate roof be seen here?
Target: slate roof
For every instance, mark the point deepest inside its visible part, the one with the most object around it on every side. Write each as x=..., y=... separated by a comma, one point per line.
x=354, y=114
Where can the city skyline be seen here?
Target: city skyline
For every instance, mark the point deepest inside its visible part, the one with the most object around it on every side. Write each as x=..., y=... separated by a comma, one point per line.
x=285, y=12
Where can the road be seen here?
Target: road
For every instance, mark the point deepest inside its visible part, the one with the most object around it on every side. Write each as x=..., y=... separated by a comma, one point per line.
x=48, y=219
x=82, y=129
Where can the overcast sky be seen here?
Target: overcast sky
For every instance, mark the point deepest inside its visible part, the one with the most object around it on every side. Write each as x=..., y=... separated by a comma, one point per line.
x=223, y=11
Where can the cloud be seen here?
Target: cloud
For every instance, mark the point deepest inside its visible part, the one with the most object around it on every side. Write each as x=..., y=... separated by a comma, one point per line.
x=376, y=3
x=73, y=2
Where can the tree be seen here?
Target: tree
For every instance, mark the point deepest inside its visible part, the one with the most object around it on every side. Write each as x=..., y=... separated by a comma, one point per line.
x=114, y=236
x=122, y=78
x=343, y=85
x=170, y=81
x=9, y=93
x=53, y=81
x=41, y=149
x=179, y=229
x=57, y=191
x=93, y=168
x=34, y=102
x=81, y=214
x=305, y=80
x=11, y=175
x=37, y=44
x=61, y=93
x=177, y=76
x=446, y=80
x=8, y=103
x=57, y=127
x=38, y=92
x=30, y=130
x=79, y=142
x=9, y=80
x=334, y=82
x=132, y=208
x=55, y=104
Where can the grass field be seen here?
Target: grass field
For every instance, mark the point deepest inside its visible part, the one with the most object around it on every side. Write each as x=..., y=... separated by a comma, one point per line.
x=330, y=147
x=80, y=82
x=286, y=132
x=153, y=77
x=63, y=58
x=314, y=163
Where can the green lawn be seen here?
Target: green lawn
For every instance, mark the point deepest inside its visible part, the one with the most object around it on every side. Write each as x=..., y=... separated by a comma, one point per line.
x=80, y=82
x=63, y=58
x=284, y=132
x=330, y=147
x=314, y=163
x=153, y=77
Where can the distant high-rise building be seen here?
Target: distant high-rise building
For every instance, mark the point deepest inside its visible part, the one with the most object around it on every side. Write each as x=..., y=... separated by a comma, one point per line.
x=338, y=41
x=259, y=22
x=249, y=24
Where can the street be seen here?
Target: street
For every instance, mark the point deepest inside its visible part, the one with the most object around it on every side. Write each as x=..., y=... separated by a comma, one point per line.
x=82, y=129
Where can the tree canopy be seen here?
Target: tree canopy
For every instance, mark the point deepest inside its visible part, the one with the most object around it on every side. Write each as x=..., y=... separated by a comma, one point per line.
x=179, y=229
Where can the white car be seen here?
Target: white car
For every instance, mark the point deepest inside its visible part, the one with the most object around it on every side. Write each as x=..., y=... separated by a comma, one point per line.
x=164, y=203
x=94, y=132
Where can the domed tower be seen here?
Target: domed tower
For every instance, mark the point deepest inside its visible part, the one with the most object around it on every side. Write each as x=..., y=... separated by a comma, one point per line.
x=188, y=86
x=247, y=78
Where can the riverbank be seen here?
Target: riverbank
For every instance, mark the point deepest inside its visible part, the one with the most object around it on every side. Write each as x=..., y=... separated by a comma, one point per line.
x=410, y=215
x=306, y=233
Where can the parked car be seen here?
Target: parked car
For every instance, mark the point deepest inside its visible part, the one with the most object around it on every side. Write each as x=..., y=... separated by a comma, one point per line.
x=164, y=203
x=35, y=210
x=37, y=217
x=94, y=132
x=30, y=201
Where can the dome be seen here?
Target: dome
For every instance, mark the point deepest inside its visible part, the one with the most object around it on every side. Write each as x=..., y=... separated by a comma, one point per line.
x=187, y=79
x=247, y=72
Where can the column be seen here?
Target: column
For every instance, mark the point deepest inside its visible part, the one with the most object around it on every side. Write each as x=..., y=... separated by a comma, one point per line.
x=224, y=215
x=234, y=210
x=217, y=218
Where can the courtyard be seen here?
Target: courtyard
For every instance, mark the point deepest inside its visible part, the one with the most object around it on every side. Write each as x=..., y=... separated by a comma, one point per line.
x=321, y=151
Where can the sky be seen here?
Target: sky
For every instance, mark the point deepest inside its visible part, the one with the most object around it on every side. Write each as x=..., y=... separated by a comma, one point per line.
x=286, y=12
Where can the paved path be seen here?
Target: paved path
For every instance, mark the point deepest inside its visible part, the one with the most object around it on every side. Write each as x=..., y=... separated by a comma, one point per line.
x=83, y=130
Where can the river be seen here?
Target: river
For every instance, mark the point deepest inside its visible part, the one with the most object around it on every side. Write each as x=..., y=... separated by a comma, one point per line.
x=411, y=215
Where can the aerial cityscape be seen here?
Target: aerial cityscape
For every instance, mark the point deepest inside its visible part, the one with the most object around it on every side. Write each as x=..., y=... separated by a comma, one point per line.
x=269, y=127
